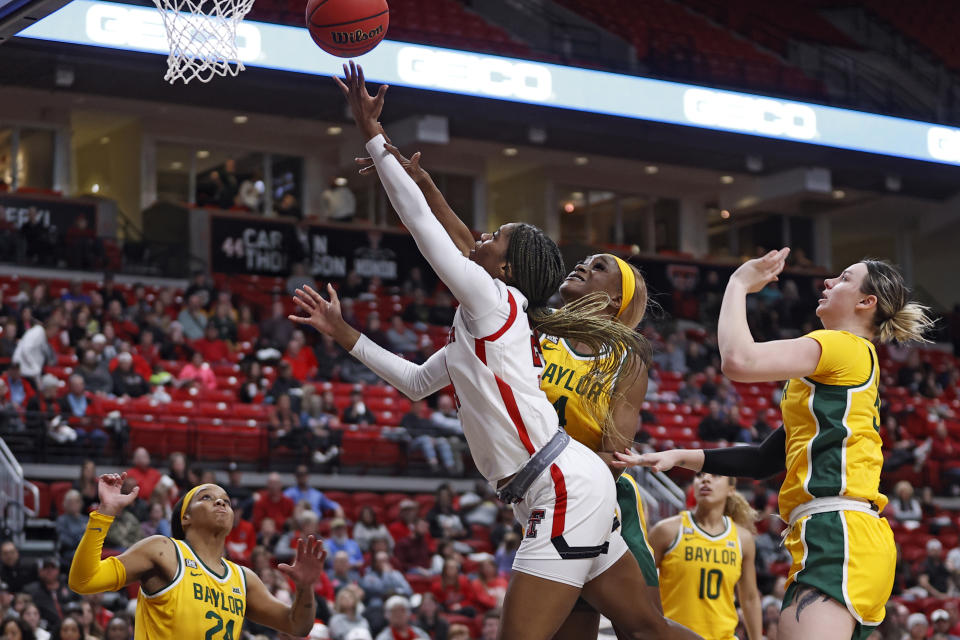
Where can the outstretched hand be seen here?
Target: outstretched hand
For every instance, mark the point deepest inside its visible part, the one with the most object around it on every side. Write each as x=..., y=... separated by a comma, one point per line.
x=757, y=273
x=112, y=500
x=307, y=565
x=364, y=107
x=411, y=165
x=323, y=315
x=659, y=461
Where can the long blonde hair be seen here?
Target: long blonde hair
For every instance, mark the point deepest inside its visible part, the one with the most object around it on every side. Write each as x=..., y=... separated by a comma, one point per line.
x=896, y=318
x=739, y=510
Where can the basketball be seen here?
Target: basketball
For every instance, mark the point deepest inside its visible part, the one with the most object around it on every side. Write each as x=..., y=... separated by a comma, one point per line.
x=347, y=28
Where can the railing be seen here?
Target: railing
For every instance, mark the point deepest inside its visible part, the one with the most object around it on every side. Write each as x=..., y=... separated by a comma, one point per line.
x=661, y=495
x=11, y=495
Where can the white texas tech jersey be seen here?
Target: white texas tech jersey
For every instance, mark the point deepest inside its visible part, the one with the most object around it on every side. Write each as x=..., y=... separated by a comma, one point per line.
x=505, y=415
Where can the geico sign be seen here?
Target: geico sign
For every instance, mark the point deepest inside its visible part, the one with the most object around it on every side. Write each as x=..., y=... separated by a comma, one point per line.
x=743, y=113
x=496, y=77
x=142, y=29
x=944, y=144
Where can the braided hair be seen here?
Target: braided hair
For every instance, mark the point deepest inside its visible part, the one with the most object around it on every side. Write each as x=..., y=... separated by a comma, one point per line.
x=535, y=267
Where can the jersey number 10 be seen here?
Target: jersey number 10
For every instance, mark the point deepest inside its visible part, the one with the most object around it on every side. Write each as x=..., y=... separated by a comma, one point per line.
x=710, y=583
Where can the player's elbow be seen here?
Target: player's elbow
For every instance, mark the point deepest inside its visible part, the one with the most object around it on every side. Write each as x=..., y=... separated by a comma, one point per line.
x=734, y=366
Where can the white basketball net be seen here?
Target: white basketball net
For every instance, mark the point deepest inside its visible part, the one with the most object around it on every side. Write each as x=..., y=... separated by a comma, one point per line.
x=202, y=35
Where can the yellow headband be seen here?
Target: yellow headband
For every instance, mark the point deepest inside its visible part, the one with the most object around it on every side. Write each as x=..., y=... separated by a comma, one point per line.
x=628, y=282
x=187, y=498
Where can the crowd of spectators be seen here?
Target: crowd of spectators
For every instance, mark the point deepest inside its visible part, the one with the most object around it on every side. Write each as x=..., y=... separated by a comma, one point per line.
x=125, y=341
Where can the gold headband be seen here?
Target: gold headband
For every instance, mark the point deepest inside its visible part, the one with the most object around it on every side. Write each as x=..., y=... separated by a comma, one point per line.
x=187, y=498
x=628, y=282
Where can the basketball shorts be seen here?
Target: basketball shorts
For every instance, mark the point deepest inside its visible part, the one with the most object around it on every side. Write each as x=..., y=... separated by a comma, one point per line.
x=634, y=530
x=848, y=556
x=571, y=532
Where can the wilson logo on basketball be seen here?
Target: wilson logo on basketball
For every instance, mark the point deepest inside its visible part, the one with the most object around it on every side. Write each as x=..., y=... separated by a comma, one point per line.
x=348, y=37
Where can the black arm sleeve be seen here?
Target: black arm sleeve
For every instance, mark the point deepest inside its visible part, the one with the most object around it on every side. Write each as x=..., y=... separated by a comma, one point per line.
x=755, y=461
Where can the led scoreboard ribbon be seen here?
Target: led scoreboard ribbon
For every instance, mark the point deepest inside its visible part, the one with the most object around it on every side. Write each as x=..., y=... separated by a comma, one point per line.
x=270, y=46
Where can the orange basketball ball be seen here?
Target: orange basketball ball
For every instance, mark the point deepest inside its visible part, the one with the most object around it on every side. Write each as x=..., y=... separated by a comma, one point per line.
x=347, y=28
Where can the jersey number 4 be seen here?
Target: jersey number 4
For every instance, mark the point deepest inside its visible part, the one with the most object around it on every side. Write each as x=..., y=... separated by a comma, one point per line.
x=710, y=583
x=216, y=628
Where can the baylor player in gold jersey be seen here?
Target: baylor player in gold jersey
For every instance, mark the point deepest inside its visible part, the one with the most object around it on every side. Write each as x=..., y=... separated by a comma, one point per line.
x=187, y=588
x=703, y=554
x=843, y=553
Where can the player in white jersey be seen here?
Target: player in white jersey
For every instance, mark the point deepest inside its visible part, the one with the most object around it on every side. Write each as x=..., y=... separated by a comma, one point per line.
x=560, y=489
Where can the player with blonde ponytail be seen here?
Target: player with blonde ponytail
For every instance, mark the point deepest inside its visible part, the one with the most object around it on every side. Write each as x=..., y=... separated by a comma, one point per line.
x=703, y=554
x=843, y=551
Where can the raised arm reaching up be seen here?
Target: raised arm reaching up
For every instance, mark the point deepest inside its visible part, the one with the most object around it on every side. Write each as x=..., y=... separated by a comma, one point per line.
x=470, y=283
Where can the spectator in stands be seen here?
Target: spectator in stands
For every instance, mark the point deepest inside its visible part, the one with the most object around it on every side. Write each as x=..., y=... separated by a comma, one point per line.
x=177, y=470
x=50, y=592
x=453, y=590
x=43, y=412
x=413, y=551
x=351, y=289
x=491, y=625
x=142, y=473
x=337, y=202
x=941, y=622
x=300, y=278
x=16, y=629
x=429, y=618
x=506, y=552
x=95, y=372
x=197, y=373
x=71, y=524
x=247, y=329
x=223, y=321
x=400, y=338
x=442, y=309
x=147, y=348
x=33, y=351
x=347, y=615
x=444, y=520
x=490, y=587
x=31, y=616
x=117, y=629
x=225, y=185
x=86, y=484
x=289, y=206
x=19, y=389
x=916, y=626
x=284, y=424
x=254, y=385
x=397, y=610
x=382, y=581
x=905, y=506
x=428, y=438
x=942, y=456
x=127, y=383
x=302, y=491
x=285, y=383
x=305, y=523
x=934, y=576
x=192, y=318
x=340, y=541
x=267, y=536
x=341, y=573
x=368, y=529
x=9, y=412
x=14, y=573
x=9, y=338
x=329, y=358
x=715, y=426
x=276, y=331
x=83, y=249
x=323, y=425
x=271, y=503
x=408, y=512
x=349, y=313
x=447, y=420
x=175, y=347
x=302, y=360
x=357, y=412
x=211, y=346
x=157, y=522
x=417, y=311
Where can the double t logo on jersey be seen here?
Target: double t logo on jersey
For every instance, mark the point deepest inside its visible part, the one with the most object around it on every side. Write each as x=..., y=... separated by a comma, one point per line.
x=536, y=517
